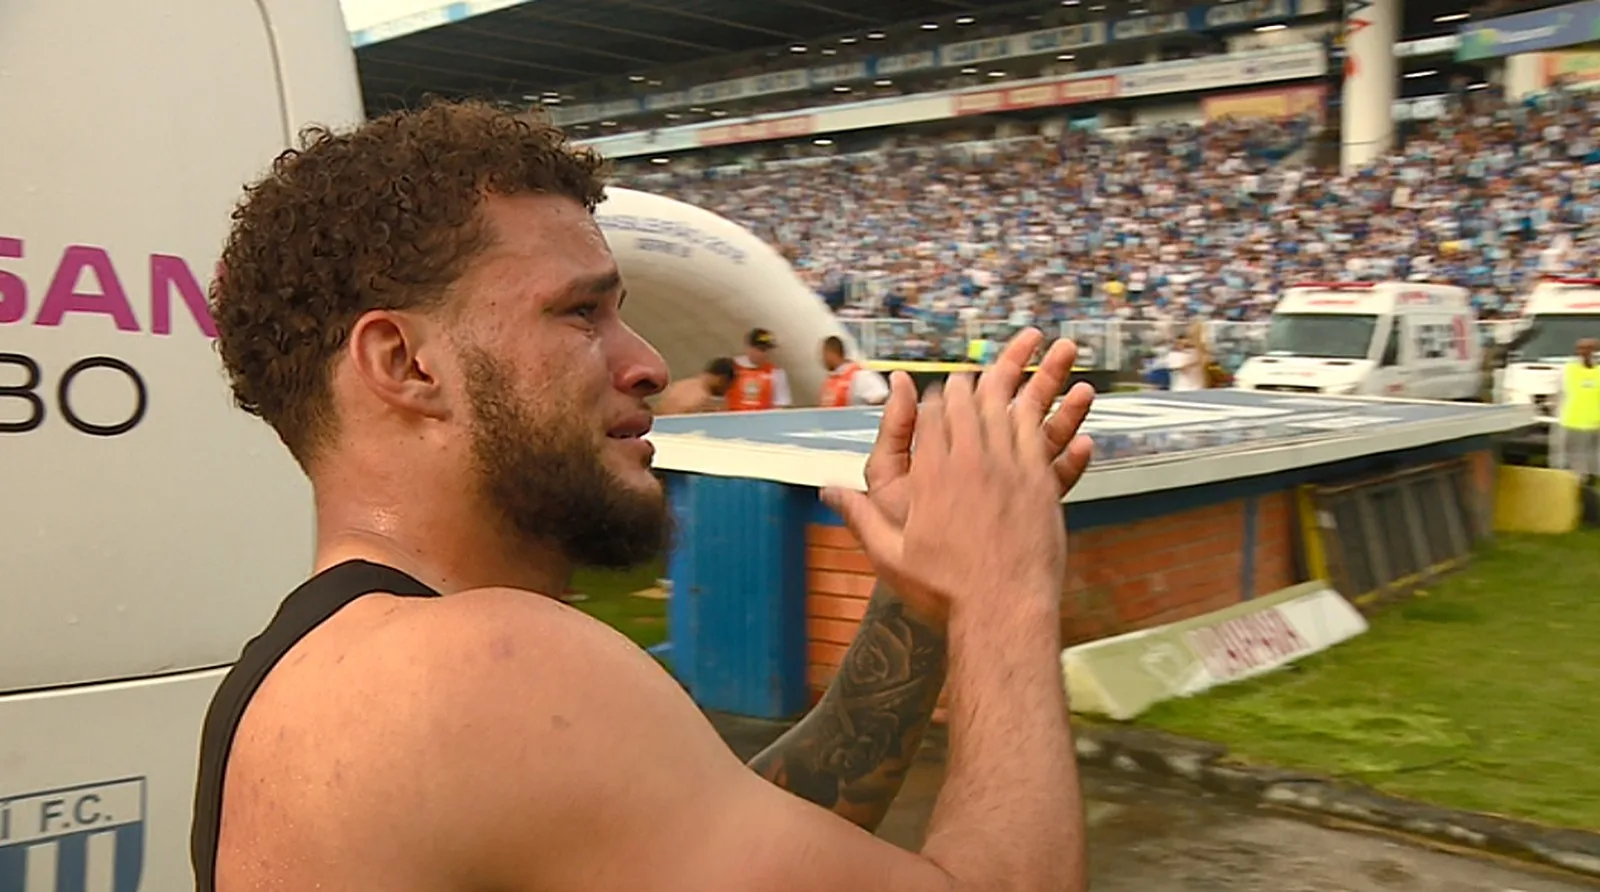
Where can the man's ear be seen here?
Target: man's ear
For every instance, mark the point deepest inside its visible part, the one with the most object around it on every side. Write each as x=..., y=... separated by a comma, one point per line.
x=397, y=357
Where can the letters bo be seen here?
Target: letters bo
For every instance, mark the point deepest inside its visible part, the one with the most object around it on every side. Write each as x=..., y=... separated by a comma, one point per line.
x=85, y=282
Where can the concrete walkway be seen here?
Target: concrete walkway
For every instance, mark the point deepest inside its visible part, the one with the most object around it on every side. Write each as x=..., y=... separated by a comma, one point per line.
x=1145, y=838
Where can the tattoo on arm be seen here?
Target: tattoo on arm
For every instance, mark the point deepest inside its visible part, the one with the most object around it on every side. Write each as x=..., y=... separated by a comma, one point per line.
x=851, y=753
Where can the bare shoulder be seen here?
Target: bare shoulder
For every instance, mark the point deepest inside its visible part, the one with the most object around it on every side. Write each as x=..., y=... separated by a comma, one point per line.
x=402, y=727
x=496, y=739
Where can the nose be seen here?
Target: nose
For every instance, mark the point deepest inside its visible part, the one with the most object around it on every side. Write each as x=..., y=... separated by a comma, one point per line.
x=638, y=367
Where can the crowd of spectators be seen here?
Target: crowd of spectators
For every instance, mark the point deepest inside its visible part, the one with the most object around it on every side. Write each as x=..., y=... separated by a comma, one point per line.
x=1177, y=222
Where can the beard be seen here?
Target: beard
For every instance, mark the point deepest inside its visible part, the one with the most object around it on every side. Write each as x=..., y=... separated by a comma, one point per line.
x=541, y=469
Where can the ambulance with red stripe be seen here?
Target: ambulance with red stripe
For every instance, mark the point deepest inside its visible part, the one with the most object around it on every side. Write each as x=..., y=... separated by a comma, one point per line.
x=1393, y=339
x=1557, y=314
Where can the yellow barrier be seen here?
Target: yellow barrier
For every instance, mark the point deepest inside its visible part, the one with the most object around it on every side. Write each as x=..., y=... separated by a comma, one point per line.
x=1536, y=500
x=1311, y=533
x=937, y=368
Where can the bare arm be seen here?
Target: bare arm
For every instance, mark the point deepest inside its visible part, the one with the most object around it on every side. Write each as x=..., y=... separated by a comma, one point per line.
x=1010, y=743
x=851, y=753
x=548, y=777
x=1010, y=805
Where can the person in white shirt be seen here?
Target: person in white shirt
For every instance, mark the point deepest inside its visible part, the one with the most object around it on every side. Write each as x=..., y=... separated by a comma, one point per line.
x=849, y=383
x=1186, y=365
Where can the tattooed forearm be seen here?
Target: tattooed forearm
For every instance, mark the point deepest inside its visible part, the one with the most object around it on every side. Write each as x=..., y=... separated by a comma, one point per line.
x=851, y=752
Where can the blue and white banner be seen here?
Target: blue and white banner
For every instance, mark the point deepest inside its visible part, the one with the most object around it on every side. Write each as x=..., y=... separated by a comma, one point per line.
x=1144, y=26
x=1069, y=37
x=443, y=14
x=905, y=63
x=1224, y=71
x=968, y=52
x=1246, y=12
x=1527, y=32
x=840, y=73
x=1031, y=43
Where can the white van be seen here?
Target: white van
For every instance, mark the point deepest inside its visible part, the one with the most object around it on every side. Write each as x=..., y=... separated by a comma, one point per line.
x=1396, y=339
x=129, y=482
x=1556, y=315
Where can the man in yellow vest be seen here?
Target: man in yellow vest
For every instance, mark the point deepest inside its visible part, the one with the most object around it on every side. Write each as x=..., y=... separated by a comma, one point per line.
x=1580, y=414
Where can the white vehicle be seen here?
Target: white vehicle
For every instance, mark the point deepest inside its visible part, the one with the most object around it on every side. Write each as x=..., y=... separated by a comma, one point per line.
x=1393, y=339
x=1556, y=315
x=151, y=527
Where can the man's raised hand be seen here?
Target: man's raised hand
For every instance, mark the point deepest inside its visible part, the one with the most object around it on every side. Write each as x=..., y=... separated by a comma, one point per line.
x=1069, y=452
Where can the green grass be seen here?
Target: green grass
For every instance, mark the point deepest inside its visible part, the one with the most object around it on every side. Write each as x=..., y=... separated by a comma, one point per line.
x=1479, y=694
x=610, y=599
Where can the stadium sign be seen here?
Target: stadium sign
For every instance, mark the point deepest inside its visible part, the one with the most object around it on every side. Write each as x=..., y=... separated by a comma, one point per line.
x=1121, y=677
x=1067, y=91
x=382, y=24
x=758, y=131
x=1241, y=70
x=1528, y=32
x=1243, y=12
x=1149, y=26
x=1213, y=74
x=1421, y=108
x=1271, y=104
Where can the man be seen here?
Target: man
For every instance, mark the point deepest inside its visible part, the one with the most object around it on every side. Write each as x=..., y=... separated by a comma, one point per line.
x=1579, y=414
x=849, y=383
x=1495, y=358
x=702, y=393
x=758, y=383
x=470, y=409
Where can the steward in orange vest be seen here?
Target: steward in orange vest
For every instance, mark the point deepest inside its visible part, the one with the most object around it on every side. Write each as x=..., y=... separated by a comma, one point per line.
x=849, y=383
x=758, y=383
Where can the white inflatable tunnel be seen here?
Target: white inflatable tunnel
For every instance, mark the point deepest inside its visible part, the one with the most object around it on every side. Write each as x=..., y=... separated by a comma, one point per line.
x=698, y=282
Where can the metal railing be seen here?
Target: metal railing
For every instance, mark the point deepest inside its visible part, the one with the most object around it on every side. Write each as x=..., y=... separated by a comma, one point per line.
x=1118, y=345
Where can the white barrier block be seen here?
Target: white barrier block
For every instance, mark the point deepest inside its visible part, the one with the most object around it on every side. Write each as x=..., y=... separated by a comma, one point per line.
x=1121, y=677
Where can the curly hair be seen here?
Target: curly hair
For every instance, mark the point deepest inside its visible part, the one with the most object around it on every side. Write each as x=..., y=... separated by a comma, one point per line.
x=384, y=216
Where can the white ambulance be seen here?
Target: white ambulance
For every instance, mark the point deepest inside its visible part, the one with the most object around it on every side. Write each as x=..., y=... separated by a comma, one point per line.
x=150, y=527
x=1556, y=315
x=1393, y=339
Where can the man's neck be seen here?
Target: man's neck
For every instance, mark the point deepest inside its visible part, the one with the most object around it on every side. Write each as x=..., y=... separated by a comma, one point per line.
x=449, y=551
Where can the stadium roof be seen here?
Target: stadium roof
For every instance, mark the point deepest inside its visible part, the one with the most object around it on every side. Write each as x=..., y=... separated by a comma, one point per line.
x=549, y=44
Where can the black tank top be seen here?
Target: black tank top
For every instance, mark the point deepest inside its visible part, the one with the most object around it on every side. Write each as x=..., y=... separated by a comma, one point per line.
x=307, y=607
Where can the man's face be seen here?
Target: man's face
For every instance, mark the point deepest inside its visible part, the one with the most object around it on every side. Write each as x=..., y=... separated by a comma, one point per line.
x=720, y=385
x=1586, y=349
x=555, y=384
x=758, y=355
x=831, y=359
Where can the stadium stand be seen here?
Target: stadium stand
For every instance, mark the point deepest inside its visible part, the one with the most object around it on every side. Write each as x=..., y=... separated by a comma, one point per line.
x=976, y=224
x=1176, y=221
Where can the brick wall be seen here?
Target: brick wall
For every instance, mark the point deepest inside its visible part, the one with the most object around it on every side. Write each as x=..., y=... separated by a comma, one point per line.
x=1276, y=522
x=1120, y=578
x=839, y=581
